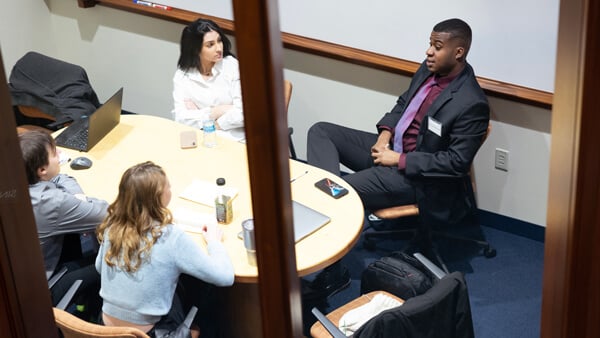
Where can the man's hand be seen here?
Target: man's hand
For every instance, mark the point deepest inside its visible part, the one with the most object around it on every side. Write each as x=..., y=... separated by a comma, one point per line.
x=381, y=153
x=379, y=147
x=386, y=157
x=383, y=142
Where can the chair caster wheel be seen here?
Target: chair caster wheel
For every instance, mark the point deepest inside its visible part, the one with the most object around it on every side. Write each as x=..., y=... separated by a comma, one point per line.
x=369, y=245
x=489, y=252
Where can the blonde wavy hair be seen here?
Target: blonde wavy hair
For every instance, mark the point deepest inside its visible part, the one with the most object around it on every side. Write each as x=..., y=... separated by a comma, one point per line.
x=136, y=218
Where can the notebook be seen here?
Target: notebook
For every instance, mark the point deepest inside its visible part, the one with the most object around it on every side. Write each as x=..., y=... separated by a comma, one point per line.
x=205, y=192
x=87, y=132
x=307, y=220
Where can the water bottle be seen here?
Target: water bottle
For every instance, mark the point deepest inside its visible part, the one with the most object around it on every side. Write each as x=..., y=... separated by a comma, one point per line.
x=210, y=133
x=223, y=206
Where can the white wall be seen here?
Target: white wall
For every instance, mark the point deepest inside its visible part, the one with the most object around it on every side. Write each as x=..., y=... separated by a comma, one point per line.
x=140, y=53
x=23, y=32
x=400, y=29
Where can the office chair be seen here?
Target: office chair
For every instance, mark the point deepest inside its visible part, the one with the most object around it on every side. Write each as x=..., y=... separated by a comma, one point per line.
x=72, y=327
x=422, y=232
x=49, y=93
x=31, y=118
x=287, y=94
x=443, y=311
x=55, y=277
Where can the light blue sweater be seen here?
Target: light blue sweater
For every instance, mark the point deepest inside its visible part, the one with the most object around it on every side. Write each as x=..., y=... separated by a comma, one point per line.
x=146, y=295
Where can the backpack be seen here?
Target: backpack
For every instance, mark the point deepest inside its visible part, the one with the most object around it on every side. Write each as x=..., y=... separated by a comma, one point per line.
x=399, y=274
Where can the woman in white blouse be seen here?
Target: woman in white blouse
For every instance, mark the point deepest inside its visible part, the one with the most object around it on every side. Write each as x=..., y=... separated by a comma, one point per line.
x=206, y=84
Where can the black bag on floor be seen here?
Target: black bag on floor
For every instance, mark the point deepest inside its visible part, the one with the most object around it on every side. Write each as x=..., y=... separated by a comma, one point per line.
x=399, y=274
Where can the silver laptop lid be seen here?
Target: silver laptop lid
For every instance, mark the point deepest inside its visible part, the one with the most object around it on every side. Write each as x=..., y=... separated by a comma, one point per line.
x=307, y=220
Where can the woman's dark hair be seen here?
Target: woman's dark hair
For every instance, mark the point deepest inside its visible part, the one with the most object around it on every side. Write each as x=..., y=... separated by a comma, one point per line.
x=192, y=39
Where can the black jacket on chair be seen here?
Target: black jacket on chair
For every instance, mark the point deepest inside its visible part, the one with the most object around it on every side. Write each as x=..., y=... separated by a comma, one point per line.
x=57, y=88
x=442, y=312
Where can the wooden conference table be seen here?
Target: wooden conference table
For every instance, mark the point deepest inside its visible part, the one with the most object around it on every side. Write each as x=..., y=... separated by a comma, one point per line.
x=140, y=138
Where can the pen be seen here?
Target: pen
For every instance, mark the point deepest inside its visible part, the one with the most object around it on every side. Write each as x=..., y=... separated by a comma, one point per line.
x=151, y=4
x=143, y=3
x=167, y=8
x=297, y=177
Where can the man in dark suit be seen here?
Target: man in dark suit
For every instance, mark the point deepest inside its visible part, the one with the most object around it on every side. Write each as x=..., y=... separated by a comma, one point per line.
x=424, y=146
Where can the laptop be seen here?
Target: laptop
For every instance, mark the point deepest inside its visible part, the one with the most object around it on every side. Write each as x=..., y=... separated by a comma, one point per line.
x=306, y=220
x=85, y=133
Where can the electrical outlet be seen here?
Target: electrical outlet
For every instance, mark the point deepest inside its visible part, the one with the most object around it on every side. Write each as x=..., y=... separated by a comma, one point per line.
x=501, y=159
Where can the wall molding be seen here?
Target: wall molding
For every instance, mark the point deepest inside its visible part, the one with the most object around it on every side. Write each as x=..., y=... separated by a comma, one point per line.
x=356, y=56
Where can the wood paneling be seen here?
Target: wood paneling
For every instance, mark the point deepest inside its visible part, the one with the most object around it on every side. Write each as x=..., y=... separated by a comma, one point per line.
x=261, y=66
x=571, y=297
x=26, y=306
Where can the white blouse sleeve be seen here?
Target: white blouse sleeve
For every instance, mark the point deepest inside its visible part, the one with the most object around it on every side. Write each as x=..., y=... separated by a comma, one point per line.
x=181, y=114
x=234, y=117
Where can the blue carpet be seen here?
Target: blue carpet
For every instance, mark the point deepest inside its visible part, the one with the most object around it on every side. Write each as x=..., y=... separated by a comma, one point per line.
x=505, y=291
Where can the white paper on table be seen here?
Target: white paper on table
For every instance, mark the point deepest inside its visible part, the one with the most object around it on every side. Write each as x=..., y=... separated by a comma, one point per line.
x=193, y=221
x=204, y=192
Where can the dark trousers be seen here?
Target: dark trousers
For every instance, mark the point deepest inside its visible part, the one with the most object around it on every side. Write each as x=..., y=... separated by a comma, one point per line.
x=89, y=288
x=172, y=320
x=195, y=292
x=169, y=322
x=191, y=292
x=80, y=265
x=378, y=186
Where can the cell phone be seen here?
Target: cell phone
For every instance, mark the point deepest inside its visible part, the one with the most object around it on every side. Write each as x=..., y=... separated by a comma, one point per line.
x=187, y=139
x=331, y=188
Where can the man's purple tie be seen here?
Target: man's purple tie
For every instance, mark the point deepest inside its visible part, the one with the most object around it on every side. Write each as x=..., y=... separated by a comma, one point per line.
x=410, y=112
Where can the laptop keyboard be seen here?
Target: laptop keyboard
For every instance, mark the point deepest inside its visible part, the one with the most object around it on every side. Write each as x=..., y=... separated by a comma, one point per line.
x=78, y=140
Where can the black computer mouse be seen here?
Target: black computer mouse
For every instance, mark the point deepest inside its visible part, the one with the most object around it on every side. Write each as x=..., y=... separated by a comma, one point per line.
x=81, y=163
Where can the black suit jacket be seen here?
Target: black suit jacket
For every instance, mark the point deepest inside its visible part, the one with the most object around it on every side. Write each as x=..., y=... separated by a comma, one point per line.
x=56, y=87
x=442, y=312
x=439, y=167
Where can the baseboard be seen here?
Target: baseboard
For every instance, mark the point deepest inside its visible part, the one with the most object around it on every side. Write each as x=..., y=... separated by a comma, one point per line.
x=512, y=225
x=507, y=224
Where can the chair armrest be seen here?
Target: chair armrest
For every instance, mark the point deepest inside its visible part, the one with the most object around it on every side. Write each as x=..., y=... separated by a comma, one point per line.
x=190, y=317
x=56, y=277
x=56, y=125
x=66, y=299
x=183, y=330
x=328, y=324
x=444, y=175
x=434, y=269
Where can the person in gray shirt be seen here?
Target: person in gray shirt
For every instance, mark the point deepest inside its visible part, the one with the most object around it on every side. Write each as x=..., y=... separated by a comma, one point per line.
x=60, y=208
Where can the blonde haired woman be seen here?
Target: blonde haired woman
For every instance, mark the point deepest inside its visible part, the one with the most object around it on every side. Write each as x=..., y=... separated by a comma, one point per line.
x=142, y=254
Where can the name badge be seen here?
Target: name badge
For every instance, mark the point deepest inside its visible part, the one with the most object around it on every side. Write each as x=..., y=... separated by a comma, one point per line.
x=434, y=126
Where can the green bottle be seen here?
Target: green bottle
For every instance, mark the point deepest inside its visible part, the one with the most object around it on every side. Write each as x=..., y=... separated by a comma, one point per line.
x=223, y=204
